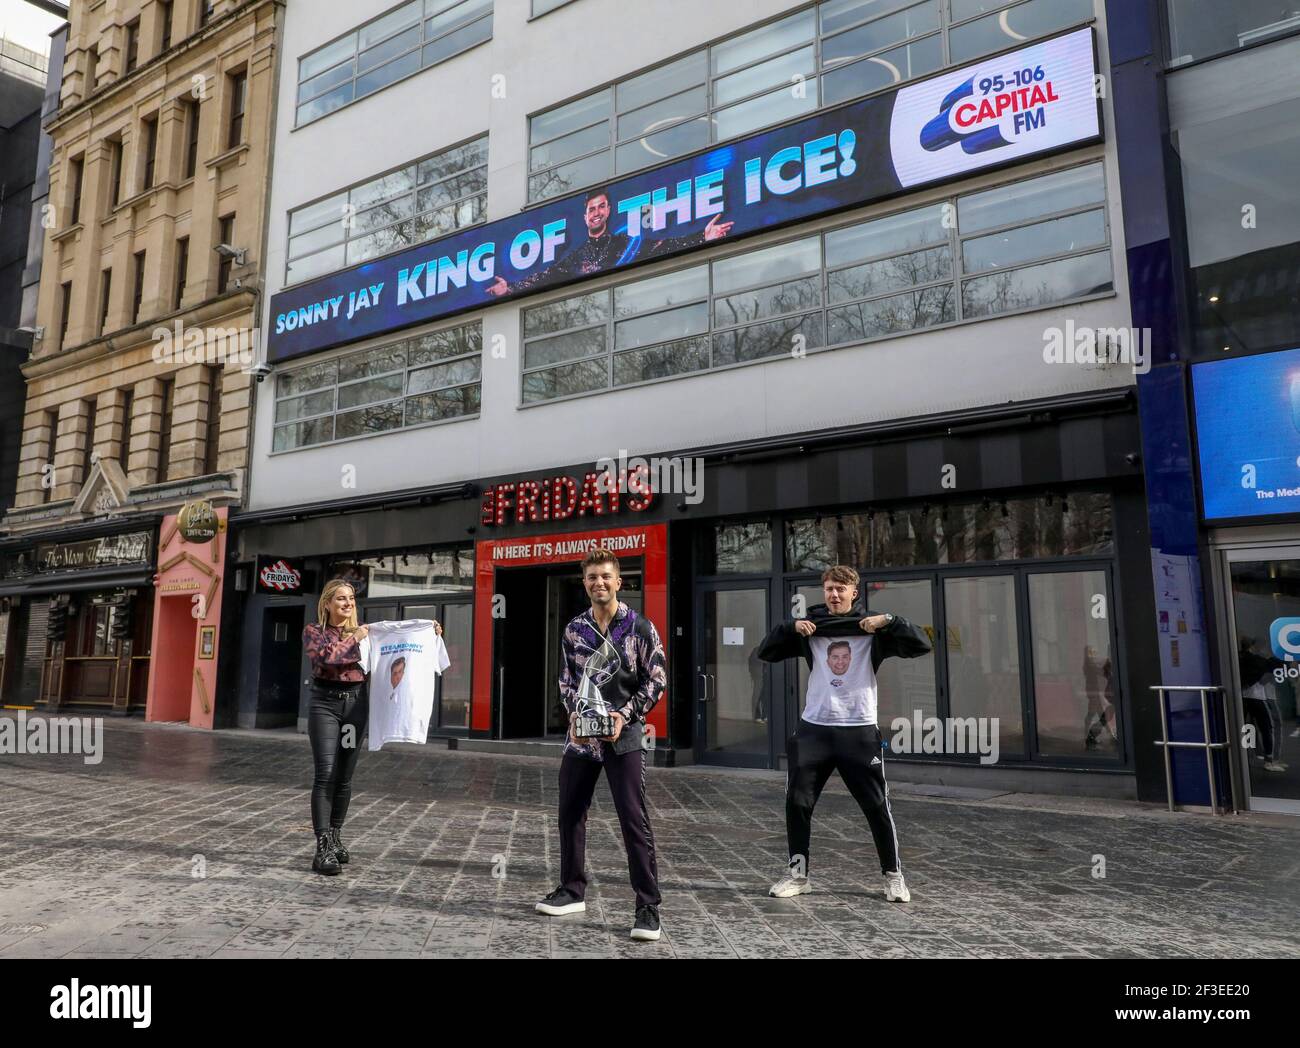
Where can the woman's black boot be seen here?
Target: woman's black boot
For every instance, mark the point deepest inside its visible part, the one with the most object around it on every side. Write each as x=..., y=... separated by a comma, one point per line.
x=340, y=850
x=326, y=861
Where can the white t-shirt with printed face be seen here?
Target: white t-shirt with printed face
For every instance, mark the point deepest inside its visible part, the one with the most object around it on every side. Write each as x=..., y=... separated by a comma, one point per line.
x=403, y=660
x=842, y=683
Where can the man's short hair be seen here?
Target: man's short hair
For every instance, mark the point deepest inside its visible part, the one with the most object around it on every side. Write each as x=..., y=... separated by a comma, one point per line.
x=399, y=661
x=838, y=644
x=601, y=555
x=592, y=194
x=840, y=573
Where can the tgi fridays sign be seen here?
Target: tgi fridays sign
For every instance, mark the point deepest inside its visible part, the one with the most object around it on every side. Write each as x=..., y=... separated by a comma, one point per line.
x=278, y=575
x=566, y=548
x=599, y=494
x=130, y=548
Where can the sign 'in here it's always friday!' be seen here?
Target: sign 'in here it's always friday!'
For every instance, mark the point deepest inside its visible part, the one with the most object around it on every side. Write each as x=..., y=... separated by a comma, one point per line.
x=1029, y=102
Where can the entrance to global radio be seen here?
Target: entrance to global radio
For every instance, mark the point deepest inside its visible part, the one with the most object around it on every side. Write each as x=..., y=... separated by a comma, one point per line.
x=526, y=592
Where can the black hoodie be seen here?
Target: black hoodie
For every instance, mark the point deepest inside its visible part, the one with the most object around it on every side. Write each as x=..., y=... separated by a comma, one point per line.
x=899, y=638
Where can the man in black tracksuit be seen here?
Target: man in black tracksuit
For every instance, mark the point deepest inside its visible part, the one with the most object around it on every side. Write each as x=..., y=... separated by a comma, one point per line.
x=838, y=731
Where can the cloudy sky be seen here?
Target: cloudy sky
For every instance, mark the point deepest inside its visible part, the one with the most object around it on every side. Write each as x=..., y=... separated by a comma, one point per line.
x=27, y=24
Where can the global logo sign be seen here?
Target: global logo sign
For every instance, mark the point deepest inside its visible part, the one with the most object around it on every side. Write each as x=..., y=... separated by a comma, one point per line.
x=1284, y=639
x=279, y=576
x=1039, y=99
x=995, y=117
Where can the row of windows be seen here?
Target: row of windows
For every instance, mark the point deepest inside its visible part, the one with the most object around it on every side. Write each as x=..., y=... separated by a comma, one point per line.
x=414, y=36
x=181, y=263
x=424, y=379
x=162, y=468
x=1035, y=243
x=820, y=56
x=164, y=23
x=413, y=204
x=235, y=101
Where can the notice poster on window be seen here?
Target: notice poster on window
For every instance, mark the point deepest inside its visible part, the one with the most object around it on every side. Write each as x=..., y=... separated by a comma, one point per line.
x=1025, y=103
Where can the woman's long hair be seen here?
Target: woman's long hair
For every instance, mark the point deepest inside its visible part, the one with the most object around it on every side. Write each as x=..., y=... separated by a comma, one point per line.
x=327, y=595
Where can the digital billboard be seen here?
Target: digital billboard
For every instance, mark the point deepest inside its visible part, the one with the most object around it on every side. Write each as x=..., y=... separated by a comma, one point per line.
x=1003, y=109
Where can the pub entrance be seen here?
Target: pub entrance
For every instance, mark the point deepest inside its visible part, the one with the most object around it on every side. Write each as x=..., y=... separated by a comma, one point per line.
x=535, y=605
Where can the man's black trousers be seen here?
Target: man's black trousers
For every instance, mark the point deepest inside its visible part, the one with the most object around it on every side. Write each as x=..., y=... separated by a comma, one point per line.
x=626, y=774
x=816, y=750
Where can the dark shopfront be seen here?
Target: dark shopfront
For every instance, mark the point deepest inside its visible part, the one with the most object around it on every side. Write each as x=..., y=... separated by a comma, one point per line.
x=76, y=611
x=1017, y=539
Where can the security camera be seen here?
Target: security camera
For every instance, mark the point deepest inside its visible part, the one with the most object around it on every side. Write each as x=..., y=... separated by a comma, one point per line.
x=227, y=251
x=259, y=370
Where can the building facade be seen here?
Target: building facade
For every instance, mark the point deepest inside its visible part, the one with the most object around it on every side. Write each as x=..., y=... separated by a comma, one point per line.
x=780, y=288
x=1208, y=141
x=138, y=385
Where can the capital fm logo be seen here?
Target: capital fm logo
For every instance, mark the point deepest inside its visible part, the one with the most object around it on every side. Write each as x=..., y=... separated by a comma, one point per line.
x=991, y=113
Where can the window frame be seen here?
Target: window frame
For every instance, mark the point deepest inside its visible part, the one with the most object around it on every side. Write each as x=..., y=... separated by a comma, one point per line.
x=399, y=400
x=957, y=280
x=418, y=48
x=351, y=234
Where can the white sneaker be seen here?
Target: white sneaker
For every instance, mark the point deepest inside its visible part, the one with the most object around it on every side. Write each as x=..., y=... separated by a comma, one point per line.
x=1274, y=766
x=789, y=886
x=896, y=887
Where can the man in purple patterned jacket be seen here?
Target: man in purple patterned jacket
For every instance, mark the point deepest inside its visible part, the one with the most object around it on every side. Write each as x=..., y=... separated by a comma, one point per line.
x=612, y=658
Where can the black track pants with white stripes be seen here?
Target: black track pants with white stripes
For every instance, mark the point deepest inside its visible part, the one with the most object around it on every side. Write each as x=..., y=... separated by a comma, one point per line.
x=816, y=750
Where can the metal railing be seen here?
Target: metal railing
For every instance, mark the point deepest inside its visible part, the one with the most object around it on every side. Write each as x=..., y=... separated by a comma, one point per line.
x=1205, y=744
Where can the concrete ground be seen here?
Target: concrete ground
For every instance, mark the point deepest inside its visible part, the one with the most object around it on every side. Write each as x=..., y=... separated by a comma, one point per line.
x=184, y=843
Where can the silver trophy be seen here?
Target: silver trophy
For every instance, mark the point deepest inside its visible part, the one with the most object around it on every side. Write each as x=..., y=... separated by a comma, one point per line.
x=595, y=717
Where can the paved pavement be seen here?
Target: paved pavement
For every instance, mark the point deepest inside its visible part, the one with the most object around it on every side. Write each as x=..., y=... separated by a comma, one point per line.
x=190, y=844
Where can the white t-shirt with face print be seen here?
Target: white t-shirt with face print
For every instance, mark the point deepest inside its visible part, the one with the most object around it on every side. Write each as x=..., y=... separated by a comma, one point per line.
x=842, y=684
x=403, y=660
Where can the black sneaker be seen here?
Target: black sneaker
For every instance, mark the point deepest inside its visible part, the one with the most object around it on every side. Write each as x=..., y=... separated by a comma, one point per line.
x=340, y=850
x=560, y=902
x=647, y=924
x=326, y=861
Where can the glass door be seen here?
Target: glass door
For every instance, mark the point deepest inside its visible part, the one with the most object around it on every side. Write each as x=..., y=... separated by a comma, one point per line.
x=733, y=687
x=1264, y=597
x=452, y=690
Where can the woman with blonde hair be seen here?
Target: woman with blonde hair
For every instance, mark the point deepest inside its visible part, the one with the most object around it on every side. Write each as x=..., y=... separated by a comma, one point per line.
x=336, y=717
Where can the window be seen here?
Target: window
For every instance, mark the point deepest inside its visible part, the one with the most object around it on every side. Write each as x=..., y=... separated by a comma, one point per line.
x=779, y=71
x=50, y=423
x=225, y=235
x=408, y=38
x=115, y=173
x=92, y=421
x=65, y=308
x=182, y=270
x=191, y=138
x=78, y=174
x=165, y=430
x=150, y=150
x=128, y=406
x=105, y=291
x=427, y=199
x=137, y=296
x=165, y=19
x=212, y=438
x=206, y=9
x=237, y=91
x=427, y=378
x=1234, y=127
x=132, y=45
x=1037, y=242
x=1204, y=28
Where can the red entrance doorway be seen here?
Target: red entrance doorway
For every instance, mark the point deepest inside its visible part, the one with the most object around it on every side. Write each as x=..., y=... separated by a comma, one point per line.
x=521, y=601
